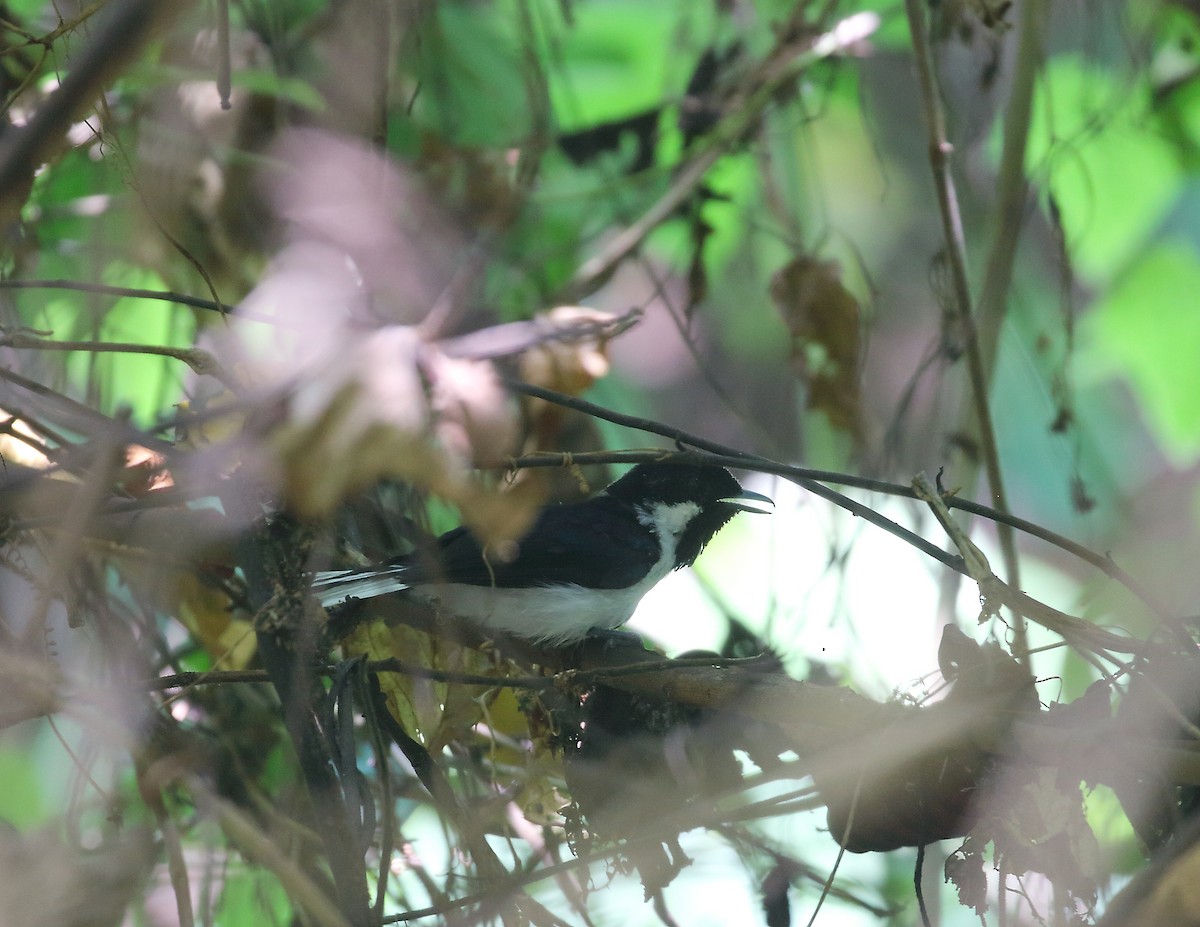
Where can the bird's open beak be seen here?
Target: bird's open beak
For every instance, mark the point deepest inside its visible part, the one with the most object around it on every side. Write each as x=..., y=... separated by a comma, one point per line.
x=751, y=502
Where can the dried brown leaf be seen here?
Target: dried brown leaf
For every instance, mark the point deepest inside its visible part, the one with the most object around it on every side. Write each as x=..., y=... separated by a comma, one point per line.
x=390, y=406
x=569, y=364
x=822, y=317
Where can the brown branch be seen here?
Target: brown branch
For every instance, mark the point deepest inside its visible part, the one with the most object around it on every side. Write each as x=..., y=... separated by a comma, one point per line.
x=202, y=362
x=224, y=63
x=808, y=478
x=572, y=677
x=272, y=558
x=126, y=27
x=84, y=418
x=940, y=150
x=1012, y=185
x=67, y=547
x=1080, y=634
x=45, y=45
x=782, y=66
x=248, y=836
x=196, y=302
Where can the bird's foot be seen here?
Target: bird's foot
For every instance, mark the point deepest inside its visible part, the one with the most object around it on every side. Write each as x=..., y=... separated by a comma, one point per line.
x=607, y=640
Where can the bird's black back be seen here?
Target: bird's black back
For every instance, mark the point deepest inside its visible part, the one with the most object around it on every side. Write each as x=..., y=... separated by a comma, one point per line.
x=598, y=543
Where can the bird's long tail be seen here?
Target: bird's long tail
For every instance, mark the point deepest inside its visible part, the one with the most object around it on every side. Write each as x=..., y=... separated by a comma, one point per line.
x=336, y=586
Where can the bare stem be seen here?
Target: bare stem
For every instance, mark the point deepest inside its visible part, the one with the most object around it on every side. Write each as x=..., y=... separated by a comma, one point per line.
x=782, y=66
x=940, y=151
x=199, y=360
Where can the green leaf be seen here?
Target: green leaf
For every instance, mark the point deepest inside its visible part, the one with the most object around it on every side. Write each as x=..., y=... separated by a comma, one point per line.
x=147, y=384
x=622, y=57
x=21, y=800
x=474, y=88
x=1112, y=180
x=290, y=89
x=252, y=897
x=1146, y=330
x=29, y=12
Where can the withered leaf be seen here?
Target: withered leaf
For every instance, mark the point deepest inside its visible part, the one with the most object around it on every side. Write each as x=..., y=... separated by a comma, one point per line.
x=822, y=318
x=964, y=869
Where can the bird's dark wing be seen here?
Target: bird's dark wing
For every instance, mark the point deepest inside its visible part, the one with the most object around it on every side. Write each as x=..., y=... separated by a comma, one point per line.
x=598, y=543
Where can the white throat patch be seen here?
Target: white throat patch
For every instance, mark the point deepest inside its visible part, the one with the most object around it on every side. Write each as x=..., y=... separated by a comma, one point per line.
x=668, y=521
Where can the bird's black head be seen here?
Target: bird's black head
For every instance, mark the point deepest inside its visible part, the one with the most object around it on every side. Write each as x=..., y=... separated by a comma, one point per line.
x=691, y=502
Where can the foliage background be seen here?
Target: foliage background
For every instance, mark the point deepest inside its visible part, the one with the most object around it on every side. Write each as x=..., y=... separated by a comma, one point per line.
x=498, y=198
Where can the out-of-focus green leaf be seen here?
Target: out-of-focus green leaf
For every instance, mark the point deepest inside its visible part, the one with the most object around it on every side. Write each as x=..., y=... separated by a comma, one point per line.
x=21, y=800
x=571, y=206
x=735, y=181
x=1112, y=180
x=1146, y=330
x=148, y=76
x=474, y=88
x=65, y=202
x=1108, y=821
x=290, y=89
x=252, y=897
x=31, y=12
x=623, y=56
x=146, y=383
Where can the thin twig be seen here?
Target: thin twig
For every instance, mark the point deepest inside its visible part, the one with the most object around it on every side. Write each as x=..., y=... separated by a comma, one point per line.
x=1080, y=634
x=783, y=65
x=201, y=361
x=393, y=665
x=127, y=25
x=176, y=865
x=387, y=804
x=224, y=63
x=940, y=150
x=195, y=302
x=732, y=457
x=1012, y=185
x=976, y=563
x=117, y=143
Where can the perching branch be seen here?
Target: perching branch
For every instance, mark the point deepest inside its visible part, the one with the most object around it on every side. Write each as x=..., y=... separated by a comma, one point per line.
x=811, y=480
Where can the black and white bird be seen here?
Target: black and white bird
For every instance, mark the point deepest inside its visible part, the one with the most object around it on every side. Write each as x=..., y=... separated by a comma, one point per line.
x=581, y=567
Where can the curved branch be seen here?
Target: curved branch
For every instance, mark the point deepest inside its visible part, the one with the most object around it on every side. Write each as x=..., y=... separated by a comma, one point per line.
x=732, y=457
x=201, y=361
